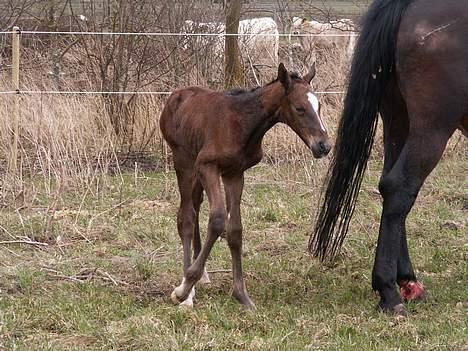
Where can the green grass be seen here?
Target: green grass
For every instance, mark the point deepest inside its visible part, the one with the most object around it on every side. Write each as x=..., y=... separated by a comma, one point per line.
x=104, y=281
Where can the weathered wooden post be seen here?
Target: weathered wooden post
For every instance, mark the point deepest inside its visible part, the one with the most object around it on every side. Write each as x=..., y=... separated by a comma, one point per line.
x=233, y=73
x=16, y=87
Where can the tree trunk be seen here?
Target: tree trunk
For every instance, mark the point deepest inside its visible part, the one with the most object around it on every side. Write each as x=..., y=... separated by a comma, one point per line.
x=233, y=73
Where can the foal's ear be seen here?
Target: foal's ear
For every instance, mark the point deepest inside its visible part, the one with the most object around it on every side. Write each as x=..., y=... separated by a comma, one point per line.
x=309, y=76
x=283, y=77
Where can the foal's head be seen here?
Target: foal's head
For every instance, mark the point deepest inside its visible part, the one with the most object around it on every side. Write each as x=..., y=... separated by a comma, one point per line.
x=300, y=109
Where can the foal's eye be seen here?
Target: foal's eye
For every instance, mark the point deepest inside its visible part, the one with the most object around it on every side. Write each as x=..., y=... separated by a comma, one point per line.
x=300, y=110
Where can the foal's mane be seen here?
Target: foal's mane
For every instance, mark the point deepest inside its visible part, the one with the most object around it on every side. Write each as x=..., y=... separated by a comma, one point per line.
x=241, y=91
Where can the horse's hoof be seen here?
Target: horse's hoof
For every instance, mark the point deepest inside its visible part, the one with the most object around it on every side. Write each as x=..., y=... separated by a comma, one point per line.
x=412, y=291
x=397, y=310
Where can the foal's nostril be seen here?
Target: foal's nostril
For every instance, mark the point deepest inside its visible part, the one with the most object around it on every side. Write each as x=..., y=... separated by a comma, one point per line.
x=322, y=147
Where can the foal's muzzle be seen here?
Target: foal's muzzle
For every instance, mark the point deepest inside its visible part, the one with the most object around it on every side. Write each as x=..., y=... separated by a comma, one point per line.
x=320, y=149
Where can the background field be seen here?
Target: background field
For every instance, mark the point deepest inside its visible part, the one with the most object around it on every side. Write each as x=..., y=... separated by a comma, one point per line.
x=89, y=251
x=113, y=257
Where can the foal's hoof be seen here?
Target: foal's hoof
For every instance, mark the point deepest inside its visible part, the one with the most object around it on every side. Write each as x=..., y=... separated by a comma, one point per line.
x=412, y=291
x=245, y=301
x=249, y=306
x=188, y=302
x=175, y=298
x=397, y=310
x=205, y=278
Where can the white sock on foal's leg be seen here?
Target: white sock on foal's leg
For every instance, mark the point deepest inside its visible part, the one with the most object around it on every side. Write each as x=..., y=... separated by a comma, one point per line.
x=188, y=302
x=205, y=279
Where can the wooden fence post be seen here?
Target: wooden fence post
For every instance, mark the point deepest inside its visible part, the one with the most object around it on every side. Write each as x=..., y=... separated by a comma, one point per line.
x=13, y=167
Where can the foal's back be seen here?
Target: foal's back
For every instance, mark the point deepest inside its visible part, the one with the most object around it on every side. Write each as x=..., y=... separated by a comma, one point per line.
x=193, y=115
x=198, y=120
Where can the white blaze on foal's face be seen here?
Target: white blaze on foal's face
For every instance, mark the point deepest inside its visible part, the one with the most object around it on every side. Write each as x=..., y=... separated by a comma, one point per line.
x=315, y=106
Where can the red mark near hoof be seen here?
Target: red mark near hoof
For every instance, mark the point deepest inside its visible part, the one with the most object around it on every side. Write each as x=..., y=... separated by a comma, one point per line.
x=411, y=291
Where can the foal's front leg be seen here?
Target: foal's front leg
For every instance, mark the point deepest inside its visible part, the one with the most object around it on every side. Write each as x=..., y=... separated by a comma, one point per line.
x=233, y=187
x=210, y=179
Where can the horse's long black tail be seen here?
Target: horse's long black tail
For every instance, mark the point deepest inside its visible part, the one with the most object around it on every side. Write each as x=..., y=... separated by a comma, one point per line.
x=371, y=71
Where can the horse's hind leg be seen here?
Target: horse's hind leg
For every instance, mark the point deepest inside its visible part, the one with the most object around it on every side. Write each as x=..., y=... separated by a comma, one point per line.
x=210, y=179
x=399, y=188
x=233, y=187
x=197, y=196
x=396, y=126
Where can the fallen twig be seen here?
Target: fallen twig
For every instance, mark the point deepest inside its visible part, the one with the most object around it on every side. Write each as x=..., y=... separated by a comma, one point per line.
x=36, y=243
x=11, y=251
x=85, y=274
x=219, y=271
x=6, y=231
x=103, y=212
x=115, y=281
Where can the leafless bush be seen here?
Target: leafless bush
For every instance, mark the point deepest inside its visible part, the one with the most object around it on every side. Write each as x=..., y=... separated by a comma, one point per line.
x=74, y=137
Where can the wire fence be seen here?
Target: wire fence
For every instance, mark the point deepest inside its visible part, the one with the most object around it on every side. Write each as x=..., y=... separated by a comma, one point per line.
x=57, y=92
x=15, y=90
x=179, y=34
x=18, y=32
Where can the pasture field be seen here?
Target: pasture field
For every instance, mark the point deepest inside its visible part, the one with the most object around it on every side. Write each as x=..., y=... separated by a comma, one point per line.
x=113, y=256
x=89, y=251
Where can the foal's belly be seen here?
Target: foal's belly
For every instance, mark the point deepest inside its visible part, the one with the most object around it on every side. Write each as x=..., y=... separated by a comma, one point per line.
x=239, y=162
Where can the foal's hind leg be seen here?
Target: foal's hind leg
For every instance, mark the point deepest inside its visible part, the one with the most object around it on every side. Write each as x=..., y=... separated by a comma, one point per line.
x=399, y=188
x=210, y=179
x=233, y=187
x=197, y=196
x=186, y=218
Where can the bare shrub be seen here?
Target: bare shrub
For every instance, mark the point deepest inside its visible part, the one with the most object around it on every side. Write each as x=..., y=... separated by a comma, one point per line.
x=72, y=137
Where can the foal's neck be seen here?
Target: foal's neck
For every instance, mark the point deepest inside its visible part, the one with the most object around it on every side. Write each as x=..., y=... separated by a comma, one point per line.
x=270, y=98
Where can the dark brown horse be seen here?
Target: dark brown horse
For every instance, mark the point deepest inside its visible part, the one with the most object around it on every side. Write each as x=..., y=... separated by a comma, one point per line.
x=216, y=136
x=411, y=65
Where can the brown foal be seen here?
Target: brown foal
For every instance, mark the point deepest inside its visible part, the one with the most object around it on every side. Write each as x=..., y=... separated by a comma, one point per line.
x=216, y=136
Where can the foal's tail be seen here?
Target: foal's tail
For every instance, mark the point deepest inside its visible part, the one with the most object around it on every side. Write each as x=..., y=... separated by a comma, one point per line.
x=371, y=72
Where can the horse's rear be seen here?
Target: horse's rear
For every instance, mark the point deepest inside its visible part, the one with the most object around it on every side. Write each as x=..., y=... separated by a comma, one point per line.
x=432, y=64
x=185, y=120
x=411, y=65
